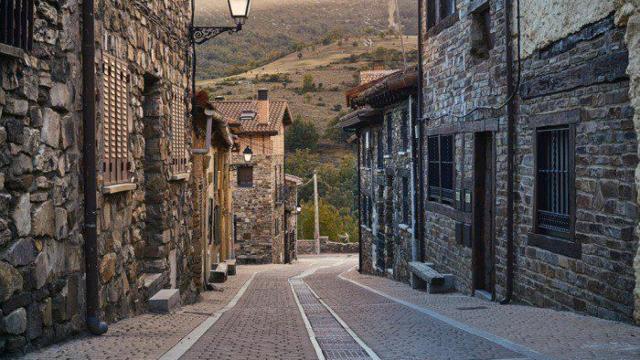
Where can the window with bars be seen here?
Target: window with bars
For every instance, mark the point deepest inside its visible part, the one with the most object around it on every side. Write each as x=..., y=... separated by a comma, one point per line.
x=178, y=132
x=380, y=149
x=404, y=130
x=389, y=123
x=217, y=227
x=440, y=169
x=554, y=160
x=16, y=23
x=439, y=10
x=245, y=176
x=405, y=200
x=115, y=121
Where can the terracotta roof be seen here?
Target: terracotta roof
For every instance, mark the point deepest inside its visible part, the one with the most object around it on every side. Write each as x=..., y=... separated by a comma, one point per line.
x=232, y=109
x=393, y=84
x=373, y=75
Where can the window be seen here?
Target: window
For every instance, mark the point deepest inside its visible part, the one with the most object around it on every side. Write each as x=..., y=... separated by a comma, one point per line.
x=367, y=210
x=115, y=121
x=554, y=159
x=441, y=170
x=370, y=210
x=367, y=148
x=481, y=39
x=380, y=206
x=217, y=229
x=389, y=122
x=380, y=149
x=16, y=23
x=439, y=10
x=276, y=225
x=211, y=222
x=405, y=200
x=404, y=130
x=178, y=137
x=245, y=176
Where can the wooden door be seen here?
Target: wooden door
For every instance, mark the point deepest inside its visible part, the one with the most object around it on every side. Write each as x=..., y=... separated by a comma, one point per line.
x=483, y=212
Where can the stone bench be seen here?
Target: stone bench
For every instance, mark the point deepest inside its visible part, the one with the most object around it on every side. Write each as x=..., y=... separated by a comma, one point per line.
x=219, y=274
x=231, y=266
x=165, y=301
x=435, y=282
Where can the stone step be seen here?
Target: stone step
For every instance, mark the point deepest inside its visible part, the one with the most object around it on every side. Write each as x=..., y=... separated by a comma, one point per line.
x=219, y=274
x=165, y=301
x=153, y=282
x=231, y=265
x=436, y=283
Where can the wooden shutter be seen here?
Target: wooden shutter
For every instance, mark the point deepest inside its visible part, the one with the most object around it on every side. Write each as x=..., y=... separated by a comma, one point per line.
x=178, y=132
x=115, y=121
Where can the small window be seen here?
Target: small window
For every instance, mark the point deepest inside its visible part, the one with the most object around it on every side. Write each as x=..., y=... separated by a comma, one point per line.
x=276, y=225
x=211, y=223
x=115, y=121
x=404, y=130
x=405, y=200
x=441, y=169
x=16, y=23
x=389, y=122
x=245, y=176
x=481, y=38
x=439, y=10
x=380, y=149
x=553, y=182
x=178, y=132
x=217, y=228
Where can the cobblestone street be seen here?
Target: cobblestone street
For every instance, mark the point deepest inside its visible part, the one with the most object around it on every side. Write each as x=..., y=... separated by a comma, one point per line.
x=322, y=308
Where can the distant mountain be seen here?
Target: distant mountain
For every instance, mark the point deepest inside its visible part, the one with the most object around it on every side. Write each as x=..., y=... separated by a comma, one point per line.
x=276, y=28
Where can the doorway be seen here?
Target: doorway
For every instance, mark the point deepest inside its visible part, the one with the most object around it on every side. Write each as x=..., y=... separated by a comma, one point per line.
x=483, y=213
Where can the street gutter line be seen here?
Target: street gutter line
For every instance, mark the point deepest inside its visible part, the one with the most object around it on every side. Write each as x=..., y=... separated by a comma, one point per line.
x=461, y=326
x=307, y=325
x=188, y=341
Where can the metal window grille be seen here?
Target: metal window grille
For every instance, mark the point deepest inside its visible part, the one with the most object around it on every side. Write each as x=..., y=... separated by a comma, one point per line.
x=380, y=150
x=115, y=121
x=404, y=129
x=438, y=10
x=389, y=122
x=553, y=161
x=440, y=168
x=178, y=132
x=245, y=176
x=16, y=23
x=405, y=200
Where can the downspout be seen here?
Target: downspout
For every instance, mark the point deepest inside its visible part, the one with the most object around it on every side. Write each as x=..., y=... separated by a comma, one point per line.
x=359, y=211
x=511, y=117
x=94, y=324
x=418, y=127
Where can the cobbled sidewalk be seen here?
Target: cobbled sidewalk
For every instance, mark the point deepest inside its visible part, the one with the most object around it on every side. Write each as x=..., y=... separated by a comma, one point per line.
x=557, y=334
x=149, y=336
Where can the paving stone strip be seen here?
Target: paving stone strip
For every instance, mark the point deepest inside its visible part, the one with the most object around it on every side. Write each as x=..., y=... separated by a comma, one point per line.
x=325, y=330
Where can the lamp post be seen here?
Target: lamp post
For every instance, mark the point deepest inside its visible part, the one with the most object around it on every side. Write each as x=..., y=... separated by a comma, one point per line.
x=239, y=10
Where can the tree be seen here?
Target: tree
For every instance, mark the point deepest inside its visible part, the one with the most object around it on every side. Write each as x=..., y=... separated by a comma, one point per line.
x=301, y=134
x=307, y=83
x=333, y=224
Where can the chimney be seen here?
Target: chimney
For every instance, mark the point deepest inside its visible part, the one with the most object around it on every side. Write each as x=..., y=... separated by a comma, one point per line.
x=263, y=106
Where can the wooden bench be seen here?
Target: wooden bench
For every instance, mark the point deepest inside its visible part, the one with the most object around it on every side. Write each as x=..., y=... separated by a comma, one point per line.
x=435, y=282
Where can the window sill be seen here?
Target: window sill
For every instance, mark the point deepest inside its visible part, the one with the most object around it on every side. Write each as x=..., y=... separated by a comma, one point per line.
x=405, y=227
x=555, y=245
x=387, y=156
x=118, y=188
x=448, y=211
x=179, y=177
x=364, y=227
x=11, y=51
x=443, y=25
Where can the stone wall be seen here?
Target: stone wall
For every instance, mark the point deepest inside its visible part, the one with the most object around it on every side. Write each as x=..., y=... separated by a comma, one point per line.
x=628, y=14
x=255, y=209
x=308, y=247
x=598, y=279
x=141, y=232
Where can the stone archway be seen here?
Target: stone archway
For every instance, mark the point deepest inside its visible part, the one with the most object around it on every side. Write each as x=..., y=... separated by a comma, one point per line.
x=628, y=14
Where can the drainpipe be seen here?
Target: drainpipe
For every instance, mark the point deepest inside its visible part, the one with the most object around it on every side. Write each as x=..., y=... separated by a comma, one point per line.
x=359, y=210
x=94, y=324
x=511, y=117
x=418, y=127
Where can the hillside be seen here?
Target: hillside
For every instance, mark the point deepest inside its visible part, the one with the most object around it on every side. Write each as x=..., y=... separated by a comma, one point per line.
x=333, y=68
x=276, y=28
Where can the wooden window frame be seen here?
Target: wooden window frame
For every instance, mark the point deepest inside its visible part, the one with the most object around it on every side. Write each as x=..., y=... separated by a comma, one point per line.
x=440, y=198
x=116, y=132
x=571, y=246
x=178, y=138
x=244, y=183
x=436, y=21
x=16, y=26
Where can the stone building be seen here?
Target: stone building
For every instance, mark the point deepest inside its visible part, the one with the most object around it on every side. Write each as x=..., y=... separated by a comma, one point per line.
x=291, y=210
x=527, y=153
x=144, y=235
x=382, y=118
x=213, y=142
x=258, y=184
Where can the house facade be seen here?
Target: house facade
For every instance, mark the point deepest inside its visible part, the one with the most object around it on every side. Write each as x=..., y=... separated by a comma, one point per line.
x=258, y=183
x=527, y=153
x=105, y=253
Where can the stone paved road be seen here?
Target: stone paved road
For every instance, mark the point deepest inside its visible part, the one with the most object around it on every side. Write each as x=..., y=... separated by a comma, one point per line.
x=352, y=316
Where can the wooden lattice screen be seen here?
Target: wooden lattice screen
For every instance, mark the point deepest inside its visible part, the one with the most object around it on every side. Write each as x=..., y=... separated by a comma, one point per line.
x=115, y=121
x=178, y=132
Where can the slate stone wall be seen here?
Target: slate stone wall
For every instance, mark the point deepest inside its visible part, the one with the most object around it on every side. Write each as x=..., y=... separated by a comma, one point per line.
x=142, y=232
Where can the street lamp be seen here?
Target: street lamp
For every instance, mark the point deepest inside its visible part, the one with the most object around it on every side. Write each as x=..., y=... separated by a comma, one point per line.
x=248, y=154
